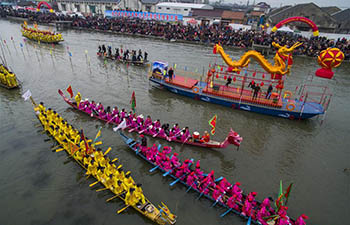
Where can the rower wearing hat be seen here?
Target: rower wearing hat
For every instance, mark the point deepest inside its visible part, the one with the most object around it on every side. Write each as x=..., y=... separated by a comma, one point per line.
x=130, y=198
x=174, y=160
x=206, y=137
x=191, y=180
x=128, y=181
x=139, y=194
x=148, y=121
x=262, y=213
x=300, y=220
x=118, y=186
x=120, y=173
x=198, y=171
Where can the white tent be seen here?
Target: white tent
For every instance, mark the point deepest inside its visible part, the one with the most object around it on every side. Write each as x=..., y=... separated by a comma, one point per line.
x=285, y=29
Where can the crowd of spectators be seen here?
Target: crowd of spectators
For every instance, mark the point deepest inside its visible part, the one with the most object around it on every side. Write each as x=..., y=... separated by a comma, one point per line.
x=192, y=33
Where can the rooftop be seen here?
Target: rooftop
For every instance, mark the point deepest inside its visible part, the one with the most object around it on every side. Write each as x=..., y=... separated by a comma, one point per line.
x=185, y=5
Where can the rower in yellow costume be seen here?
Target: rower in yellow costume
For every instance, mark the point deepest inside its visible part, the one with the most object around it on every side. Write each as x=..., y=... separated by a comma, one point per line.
x=139, y=194
x=120, y=173
x=128, y=181
x=118, y=186
x=11, y=79
x=78, y=99
x=130, y=198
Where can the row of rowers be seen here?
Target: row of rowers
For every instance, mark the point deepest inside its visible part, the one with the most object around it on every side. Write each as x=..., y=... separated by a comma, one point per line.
x=221, y=191
x=93, y=160
x=138, y=123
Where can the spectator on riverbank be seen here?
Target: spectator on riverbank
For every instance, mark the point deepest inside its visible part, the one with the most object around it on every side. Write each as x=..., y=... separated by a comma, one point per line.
x=207, y=34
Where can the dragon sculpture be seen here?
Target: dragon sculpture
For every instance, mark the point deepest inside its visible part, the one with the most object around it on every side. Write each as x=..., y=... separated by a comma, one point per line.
x=283, y=53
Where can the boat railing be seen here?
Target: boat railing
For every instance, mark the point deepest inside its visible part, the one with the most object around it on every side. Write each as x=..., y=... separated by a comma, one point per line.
x=319, y=94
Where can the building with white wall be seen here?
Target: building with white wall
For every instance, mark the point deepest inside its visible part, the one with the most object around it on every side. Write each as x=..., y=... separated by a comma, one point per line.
x=180, y=8
x=99, y=6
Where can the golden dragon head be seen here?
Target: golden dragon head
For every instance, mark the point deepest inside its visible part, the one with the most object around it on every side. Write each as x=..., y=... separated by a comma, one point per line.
x=284, y=50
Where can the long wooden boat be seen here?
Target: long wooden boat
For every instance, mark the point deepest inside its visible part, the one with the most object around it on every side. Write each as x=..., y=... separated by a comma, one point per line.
x=132, y=144
x=232, y=138
x=42, y=36
x=227, y=85
x=160, y=216
x=120, y=60
x=17, y=85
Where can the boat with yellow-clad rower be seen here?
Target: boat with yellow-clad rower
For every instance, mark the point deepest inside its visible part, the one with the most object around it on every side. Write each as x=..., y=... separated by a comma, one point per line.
x=44, y=36
x=7, y=78
x=99, y=166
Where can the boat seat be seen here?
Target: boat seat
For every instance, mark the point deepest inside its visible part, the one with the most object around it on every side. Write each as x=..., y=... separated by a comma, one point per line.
x=129, y=141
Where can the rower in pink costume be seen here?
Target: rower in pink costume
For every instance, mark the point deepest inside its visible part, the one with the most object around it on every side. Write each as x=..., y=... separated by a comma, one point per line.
x=99, y=107
x=300, y=220
x=232, y=203
x=217, y=193
x=224, y=185
x=151, y=130
x=167, y=150
x=101, y=114
x=198, y=171
x=159, y=158
x=247, y=208
x=166, y=163
x=157, y=124
x=115, y=111
x=207, y=182
x=186, y=135
x=162, y=133
x=251, y=198
x=148, y=121
x=236, y=190
x=123, y=114
x=183, y=169
x=266, y=204
x=191, y=180
x=175, y=161
x=262, y=213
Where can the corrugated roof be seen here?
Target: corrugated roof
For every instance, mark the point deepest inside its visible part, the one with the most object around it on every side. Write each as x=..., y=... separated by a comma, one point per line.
x=342, y=15
x=232, y=15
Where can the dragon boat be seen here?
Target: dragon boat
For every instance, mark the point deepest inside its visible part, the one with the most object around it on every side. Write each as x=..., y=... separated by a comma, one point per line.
x=84, y=158
x=221, y=200
x=227, y=85
x=120, y=60
x=43, y=36
x=232, y=138
x=8, y=79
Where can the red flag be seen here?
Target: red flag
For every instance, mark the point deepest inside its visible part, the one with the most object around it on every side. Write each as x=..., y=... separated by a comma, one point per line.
x=86, y=144
x=212, y=123
x=286, y=195
x=70, y=91
x=133, y=101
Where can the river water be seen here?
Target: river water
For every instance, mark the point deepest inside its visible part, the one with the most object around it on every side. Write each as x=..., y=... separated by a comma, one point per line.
x=42, y=187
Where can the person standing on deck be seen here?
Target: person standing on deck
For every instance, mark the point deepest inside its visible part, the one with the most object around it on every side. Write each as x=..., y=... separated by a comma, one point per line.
x=145, y=57
x=269, y=90
x=78, y=99
x=170, y=73
x=256, y=91
x=229, y=80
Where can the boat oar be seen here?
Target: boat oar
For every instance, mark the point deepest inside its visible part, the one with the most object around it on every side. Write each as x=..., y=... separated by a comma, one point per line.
x=114, y=160
x=101, y=189
x=191, y=186
x=121, y=210
x=153, y=169
x=177, y=180
x=249, y=220
x=224, y=214
x=93, y=183
x=108, y=150
x=115, y=196
x=55, y=147
x=60, y=149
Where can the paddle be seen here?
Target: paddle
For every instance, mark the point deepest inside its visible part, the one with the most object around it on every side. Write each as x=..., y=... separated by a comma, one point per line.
x=114, y=160
x=224, y=214
x=60, y=149
x=121, y=210
x=249, y=220
x=191, y=186
x=115, y=196
x=101, y=189
x=93, y=183
x=108, y=150
x=153, y=169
